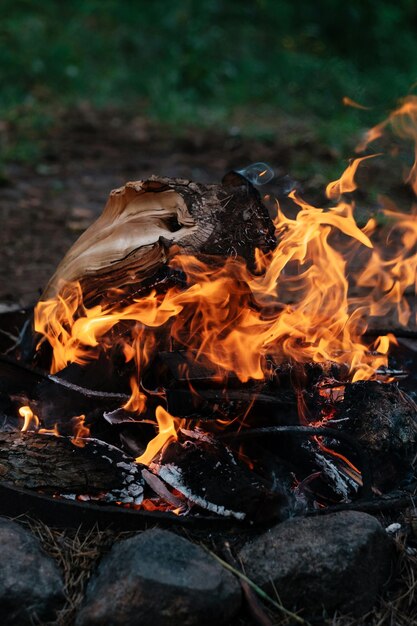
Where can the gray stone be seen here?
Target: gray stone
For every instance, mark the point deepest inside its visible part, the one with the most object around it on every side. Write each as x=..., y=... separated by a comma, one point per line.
x=333, y=562
x=31, y=588
x=157, y=578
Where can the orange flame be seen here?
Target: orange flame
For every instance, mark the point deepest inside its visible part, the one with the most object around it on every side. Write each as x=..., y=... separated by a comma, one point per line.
x=50, y=431
x=167, y=431
x=29, y=418
x=309, y=300
x=224, y=314
x=346, y=183
x=348, y=102
x=81, y=431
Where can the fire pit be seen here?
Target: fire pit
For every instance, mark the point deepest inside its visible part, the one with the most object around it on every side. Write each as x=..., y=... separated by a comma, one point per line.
x=254, y=393
x=196, y=362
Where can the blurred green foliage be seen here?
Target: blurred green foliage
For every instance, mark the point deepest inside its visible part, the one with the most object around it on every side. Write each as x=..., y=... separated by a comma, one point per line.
x=200, y=60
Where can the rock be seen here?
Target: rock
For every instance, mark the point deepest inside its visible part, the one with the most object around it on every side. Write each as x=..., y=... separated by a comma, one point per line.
x=157, y=578
x=334, y=562
x=31, y=587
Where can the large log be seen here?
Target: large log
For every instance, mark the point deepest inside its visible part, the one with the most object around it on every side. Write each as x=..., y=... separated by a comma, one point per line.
x=129, y=242
x=55, y=465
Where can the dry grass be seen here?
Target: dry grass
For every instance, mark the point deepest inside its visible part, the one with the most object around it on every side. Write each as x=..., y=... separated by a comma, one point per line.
x=398, y=606
x=76, y=553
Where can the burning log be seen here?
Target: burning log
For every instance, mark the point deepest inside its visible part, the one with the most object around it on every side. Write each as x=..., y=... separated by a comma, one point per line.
x=130, y=241
x=384, y=420
x=209, y=475
x=56, y=399
x=153, y=299
x=315, y=454
x=220, y=394
x=55, y=465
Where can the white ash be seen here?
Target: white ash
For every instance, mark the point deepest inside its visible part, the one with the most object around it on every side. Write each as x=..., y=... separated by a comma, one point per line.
x=342, y=483
x=172, y=475
x=129, y=467
x=135, y=490
x=197, y=434
x=160, y=489
x=88, y=392
x=393, y=528
x=128, y=494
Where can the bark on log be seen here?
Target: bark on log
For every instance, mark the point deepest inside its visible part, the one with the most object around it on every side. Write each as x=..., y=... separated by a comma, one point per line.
x=54, y=464
x=383, y=419
x=129, y=241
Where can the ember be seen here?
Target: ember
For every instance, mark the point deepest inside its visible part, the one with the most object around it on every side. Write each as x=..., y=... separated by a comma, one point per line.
x=228, y=353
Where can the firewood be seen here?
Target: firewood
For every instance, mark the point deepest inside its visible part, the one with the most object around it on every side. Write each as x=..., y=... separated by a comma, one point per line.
x=55, y=465
x=210, y=476
x=130, y=241
x=54, y=399
x=383, y=419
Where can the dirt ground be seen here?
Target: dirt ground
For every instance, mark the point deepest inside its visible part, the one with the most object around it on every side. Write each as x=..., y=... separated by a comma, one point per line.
x=46, y=206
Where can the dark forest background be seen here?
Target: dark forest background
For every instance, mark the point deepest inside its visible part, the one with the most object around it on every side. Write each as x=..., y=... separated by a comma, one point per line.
x=203, y=63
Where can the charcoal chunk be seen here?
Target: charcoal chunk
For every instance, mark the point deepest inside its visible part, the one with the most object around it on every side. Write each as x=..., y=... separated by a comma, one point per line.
x=383, y=419
x=211, y=476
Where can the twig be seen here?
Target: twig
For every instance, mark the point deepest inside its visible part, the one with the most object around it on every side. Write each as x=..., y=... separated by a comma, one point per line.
x=368, y=506
x=255, y=608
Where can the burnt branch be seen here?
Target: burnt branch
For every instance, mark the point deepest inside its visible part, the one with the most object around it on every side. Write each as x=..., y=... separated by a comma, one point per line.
x=309, y=431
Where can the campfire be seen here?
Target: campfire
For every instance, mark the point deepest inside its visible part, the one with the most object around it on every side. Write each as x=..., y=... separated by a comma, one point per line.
x=208, y=351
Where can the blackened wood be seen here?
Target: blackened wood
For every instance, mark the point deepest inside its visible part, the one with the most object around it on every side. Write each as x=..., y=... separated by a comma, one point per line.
x=308, y=432
x=16, y=377
x=53, y=398
x=210, y=476
x=390, y=502
x=54, y=464
x=12, y=323
x=17, y=501
x=383, y=419
x=228, y=404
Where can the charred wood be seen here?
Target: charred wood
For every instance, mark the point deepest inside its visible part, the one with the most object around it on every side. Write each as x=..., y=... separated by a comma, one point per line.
x=307, y=432
x=383, y=419
x=55, y=465
x=229, y=404
x=209, y=475
x=53, y=398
